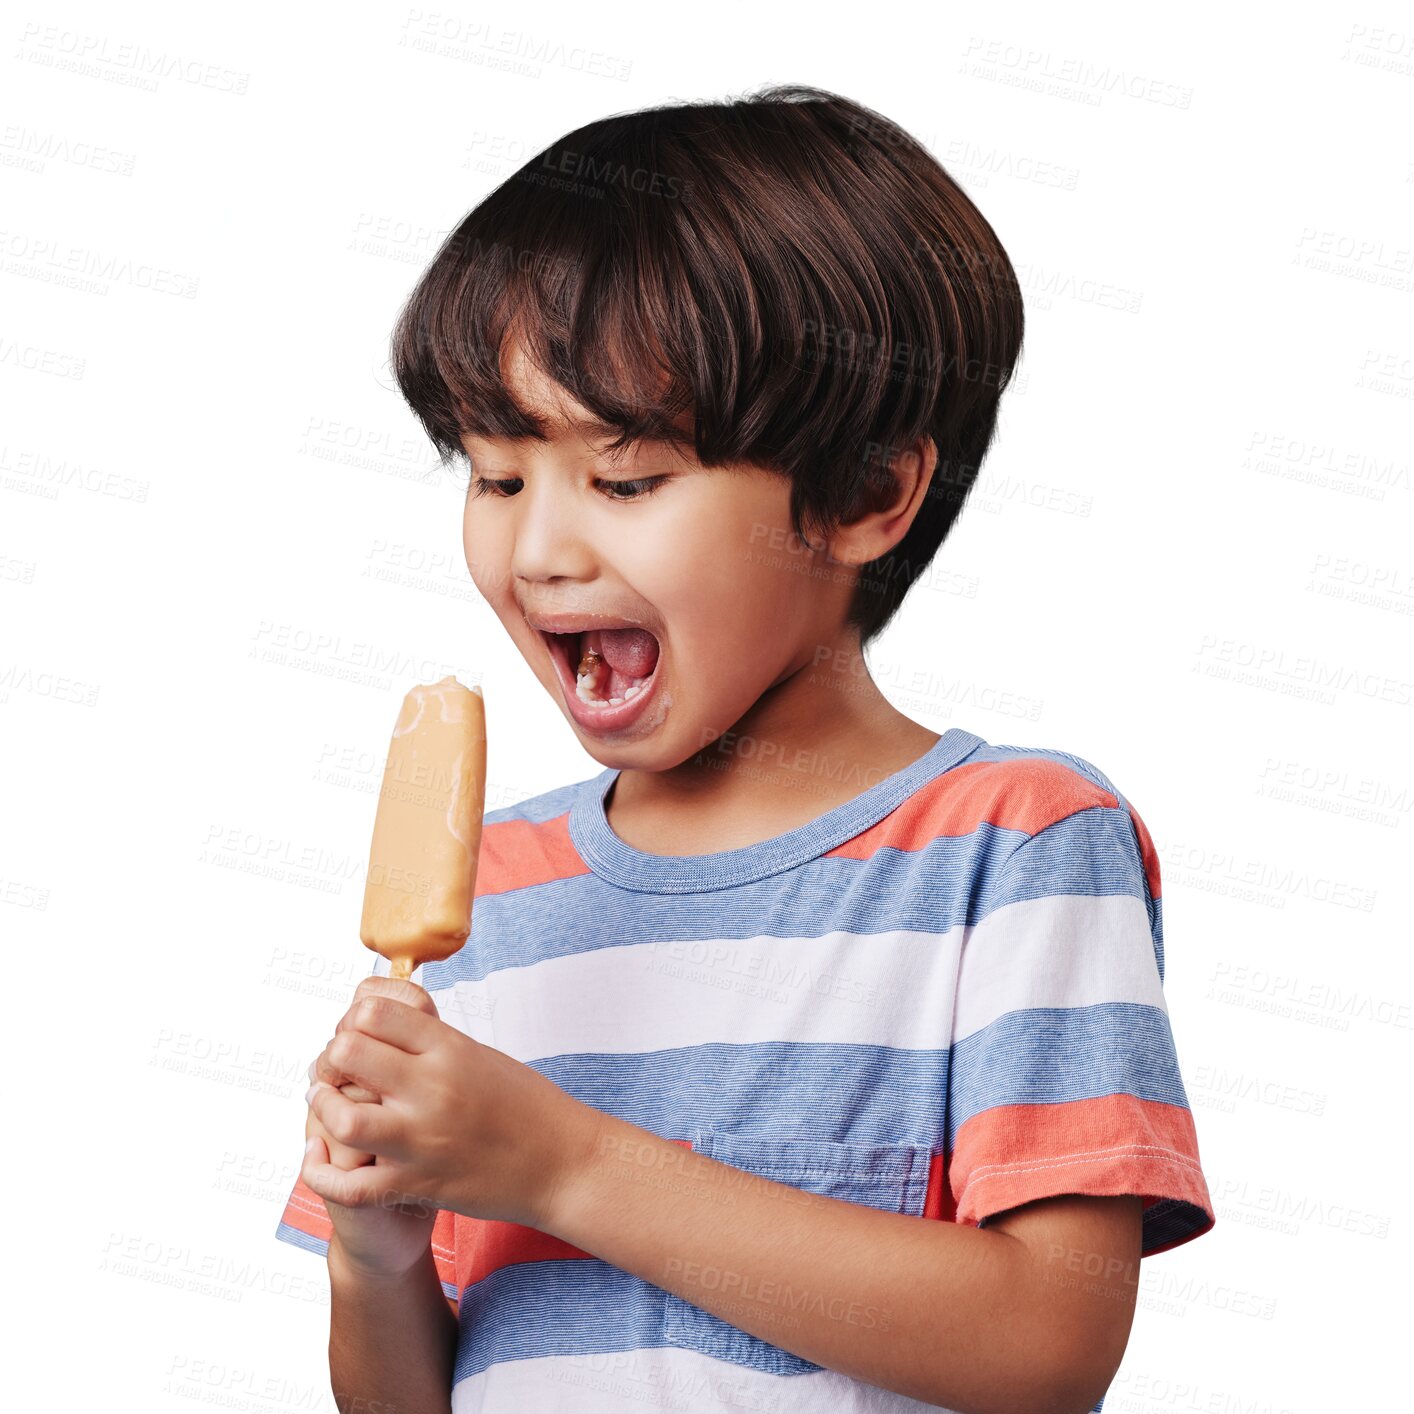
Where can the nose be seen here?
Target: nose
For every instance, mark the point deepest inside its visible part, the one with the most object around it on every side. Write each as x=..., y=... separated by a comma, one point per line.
x=549, y=539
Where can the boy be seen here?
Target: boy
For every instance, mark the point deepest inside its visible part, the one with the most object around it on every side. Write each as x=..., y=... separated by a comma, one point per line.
x=803, y=1058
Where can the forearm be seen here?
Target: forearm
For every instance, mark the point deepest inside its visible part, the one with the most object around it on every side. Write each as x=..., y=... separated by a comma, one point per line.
x=392, y=1342
x=939, y=1312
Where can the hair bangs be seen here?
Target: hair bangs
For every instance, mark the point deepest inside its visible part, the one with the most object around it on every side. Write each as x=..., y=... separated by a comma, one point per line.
x=559, y=284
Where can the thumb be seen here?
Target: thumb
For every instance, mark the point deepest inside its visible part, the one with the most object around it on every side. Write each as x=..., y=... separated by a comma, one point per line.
x=405, y=990
x=349, y=1188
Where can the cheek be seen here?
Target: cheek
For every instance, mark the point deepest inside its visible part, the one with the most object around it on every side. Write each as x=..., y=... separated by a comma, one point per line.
x=736, y=576
x=485, y=558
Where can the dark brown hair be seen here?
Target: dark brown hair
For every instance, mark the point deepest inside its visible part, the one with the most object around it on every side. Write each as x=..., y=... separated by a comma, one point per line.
x=789, y=275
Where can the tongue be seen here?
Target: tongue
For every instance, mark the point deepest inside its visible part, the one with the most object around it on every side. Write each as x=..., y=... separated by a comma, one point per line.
x=630, y=651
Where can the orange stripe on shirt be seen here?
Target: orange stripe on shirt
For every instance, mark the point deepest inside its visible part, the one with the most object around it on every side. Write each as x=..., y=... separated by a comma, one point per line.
x=1024, y=794
x=517, y=854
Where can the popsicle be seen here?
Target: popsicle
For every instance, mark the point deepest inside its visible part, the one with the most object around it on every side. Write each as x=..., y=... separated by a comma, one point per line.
x=427, y=833
x=426, y=839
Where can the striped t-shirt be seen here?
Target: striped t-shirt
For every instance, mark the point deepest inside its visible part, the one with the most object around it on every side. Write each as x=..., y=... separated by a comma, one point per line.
x=942, y=998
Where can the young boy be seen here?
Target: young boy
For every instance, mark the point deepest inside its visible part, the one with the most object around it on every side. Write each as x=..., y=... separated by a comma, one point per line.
x=803, y=1058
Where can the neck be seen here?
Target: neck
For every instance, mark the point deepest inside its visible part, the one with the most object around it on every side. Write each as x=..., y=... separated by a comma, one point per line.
x=821, y=734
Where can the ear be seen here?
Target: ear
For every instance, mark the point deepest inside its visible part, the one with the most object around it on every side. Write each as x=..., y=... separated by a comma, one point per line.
x=878, y=529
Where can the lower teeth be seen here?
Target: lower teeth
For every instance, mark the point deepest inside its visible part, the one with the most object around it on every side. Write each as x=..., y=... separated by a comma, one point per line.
x=588, y=675
x=584, y=688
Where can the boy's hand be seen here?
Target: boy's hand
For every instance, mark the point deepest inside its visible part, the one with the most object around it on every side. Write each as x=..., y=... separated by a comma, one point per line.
x=460, y=1125
x=382, y=1239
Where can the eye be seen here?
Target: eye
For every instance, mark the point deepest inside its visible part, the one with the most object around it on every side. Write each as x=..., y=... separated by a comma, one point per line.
x=632, y=490
x=483, y=485
x=639, y=487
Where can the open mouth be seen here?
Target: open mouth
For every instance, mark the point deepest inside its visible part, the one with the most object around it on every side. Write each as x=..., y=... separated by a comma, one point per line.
x=604, y=669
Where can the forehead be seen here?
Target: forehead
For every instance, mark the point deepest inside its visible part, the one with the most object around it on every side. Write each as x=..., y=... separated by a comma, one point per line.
x=544, y=399
x=566, y=420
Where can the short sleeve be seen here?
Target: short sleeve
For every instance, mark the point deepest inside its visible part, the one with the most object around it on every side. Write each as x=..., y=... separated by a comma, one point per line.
x=1063, y=1072
x=305, y=1221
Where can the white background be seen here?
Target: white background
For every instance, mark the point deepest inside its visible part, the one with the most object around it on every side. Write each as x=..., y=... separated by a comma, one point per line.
x=226, y=552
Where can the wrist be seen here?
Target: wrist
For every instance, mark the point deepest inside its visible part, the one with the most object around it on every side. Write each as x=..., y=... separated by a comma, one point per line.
x=346, y=1270
x=565, y=1191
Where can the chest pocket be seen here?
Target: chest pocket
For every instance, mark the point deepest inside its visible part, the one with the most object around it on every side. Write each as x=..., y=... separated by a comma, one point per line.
x=892, y=1177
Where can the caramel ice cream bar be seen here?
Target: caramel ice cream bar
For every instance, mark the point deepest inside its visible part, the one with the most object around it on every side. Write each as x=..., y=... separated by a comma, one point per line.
x=427, y=833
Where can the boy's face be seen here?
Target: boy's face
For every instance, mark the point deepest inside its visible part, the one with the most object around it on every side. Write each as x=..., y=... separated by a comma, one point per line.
x=705, y=561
